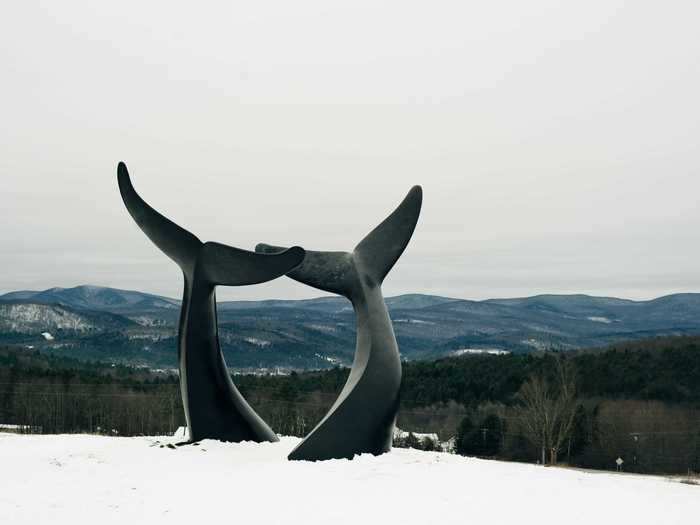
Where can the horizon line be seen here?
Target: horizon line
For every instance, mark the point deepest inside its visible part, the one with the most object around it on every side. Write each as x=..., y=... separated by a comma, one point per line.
x=331, y=296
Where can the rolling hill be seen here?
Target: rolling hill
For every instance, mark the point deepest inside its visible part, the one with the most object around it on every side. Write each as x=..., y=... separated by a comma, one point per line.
x=91, y=322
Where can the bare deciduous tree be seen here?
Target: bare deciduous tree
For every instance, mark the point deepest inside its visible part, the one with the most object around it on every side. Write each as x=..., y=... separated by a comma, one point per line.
x=548, y=407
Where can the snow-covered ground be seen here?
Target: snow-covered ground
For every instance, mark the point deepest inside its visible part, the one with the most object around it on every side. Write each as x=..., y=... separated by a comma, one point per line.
x=80, y=479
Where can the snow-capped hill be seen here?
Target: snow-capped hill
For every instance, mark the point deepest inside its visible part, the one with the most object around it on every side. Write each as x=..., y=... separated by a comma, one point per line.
x=88, y=297
x=26, y=317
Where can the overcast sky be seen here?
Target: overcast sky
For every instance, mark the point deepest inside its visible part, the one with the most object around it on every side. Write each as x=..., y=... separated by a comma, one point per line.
x=556, y=142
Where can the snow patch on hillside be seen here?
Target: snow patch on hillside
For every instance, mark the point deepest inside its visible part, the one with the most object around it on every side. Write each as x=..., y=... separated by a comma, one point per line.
x=85, y=480
x=145, y=320
x=477, y=351
x=25, y=318
x=257, y=342
x=321, y=327
x=599, y=319
x=330, y=359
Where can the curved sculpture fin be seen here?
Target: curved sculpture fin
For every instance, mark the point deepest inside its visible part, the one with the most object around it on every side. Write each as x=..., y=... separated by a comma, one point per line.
x=230, y=266
x=377, y=253
x=328, y=271
x=382, y=247
x=176, y=242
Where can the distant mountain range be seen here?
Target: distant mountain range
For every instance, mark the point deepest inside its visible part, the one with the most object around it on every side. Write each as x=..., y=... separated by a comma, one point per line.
x=106, y=324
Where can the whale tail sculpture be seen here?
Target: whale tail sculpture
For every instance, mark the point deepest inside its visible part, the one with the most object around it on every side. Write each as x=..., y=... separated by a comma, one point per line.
x=362, y=418
x=214, y=407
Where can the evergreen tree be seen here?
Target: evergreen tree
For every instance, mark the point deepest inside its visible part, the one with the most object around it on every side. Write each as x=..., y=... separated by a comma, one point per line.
x=412, y=441
x=580, y=433
x=464, y=440
x=491, y=436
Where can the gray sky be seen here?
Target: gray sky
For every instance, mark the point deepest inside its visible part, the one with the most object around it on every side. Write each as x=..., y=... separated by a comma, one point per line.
x=556, y=142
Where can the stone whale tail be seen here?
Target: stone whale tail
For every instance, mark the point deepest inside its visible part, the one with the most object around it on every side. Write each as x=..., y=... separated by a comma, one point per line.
x=214, y=408
x=362, y=418
x=371, y=260
x=216, y=263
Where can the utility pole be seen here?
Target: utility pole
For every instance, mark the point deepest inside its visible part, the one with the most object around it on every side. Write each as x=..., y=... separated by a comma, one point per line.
x=172, y=415
x=636, y=448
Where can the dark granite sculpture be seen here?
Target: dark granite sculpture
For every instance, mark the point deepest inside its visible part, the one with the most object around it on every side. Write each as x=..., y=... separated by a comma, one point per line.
x=362, y=418
x=214, y=407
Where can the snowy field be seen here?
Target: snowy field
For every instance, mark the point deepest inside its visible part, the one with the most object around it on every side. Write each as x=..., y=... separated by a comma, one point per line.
x=81, y=479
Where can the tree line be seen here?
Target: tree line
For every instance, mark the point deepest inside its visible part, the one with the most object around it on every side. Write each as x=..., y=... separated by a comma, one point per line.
x=638, y=401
